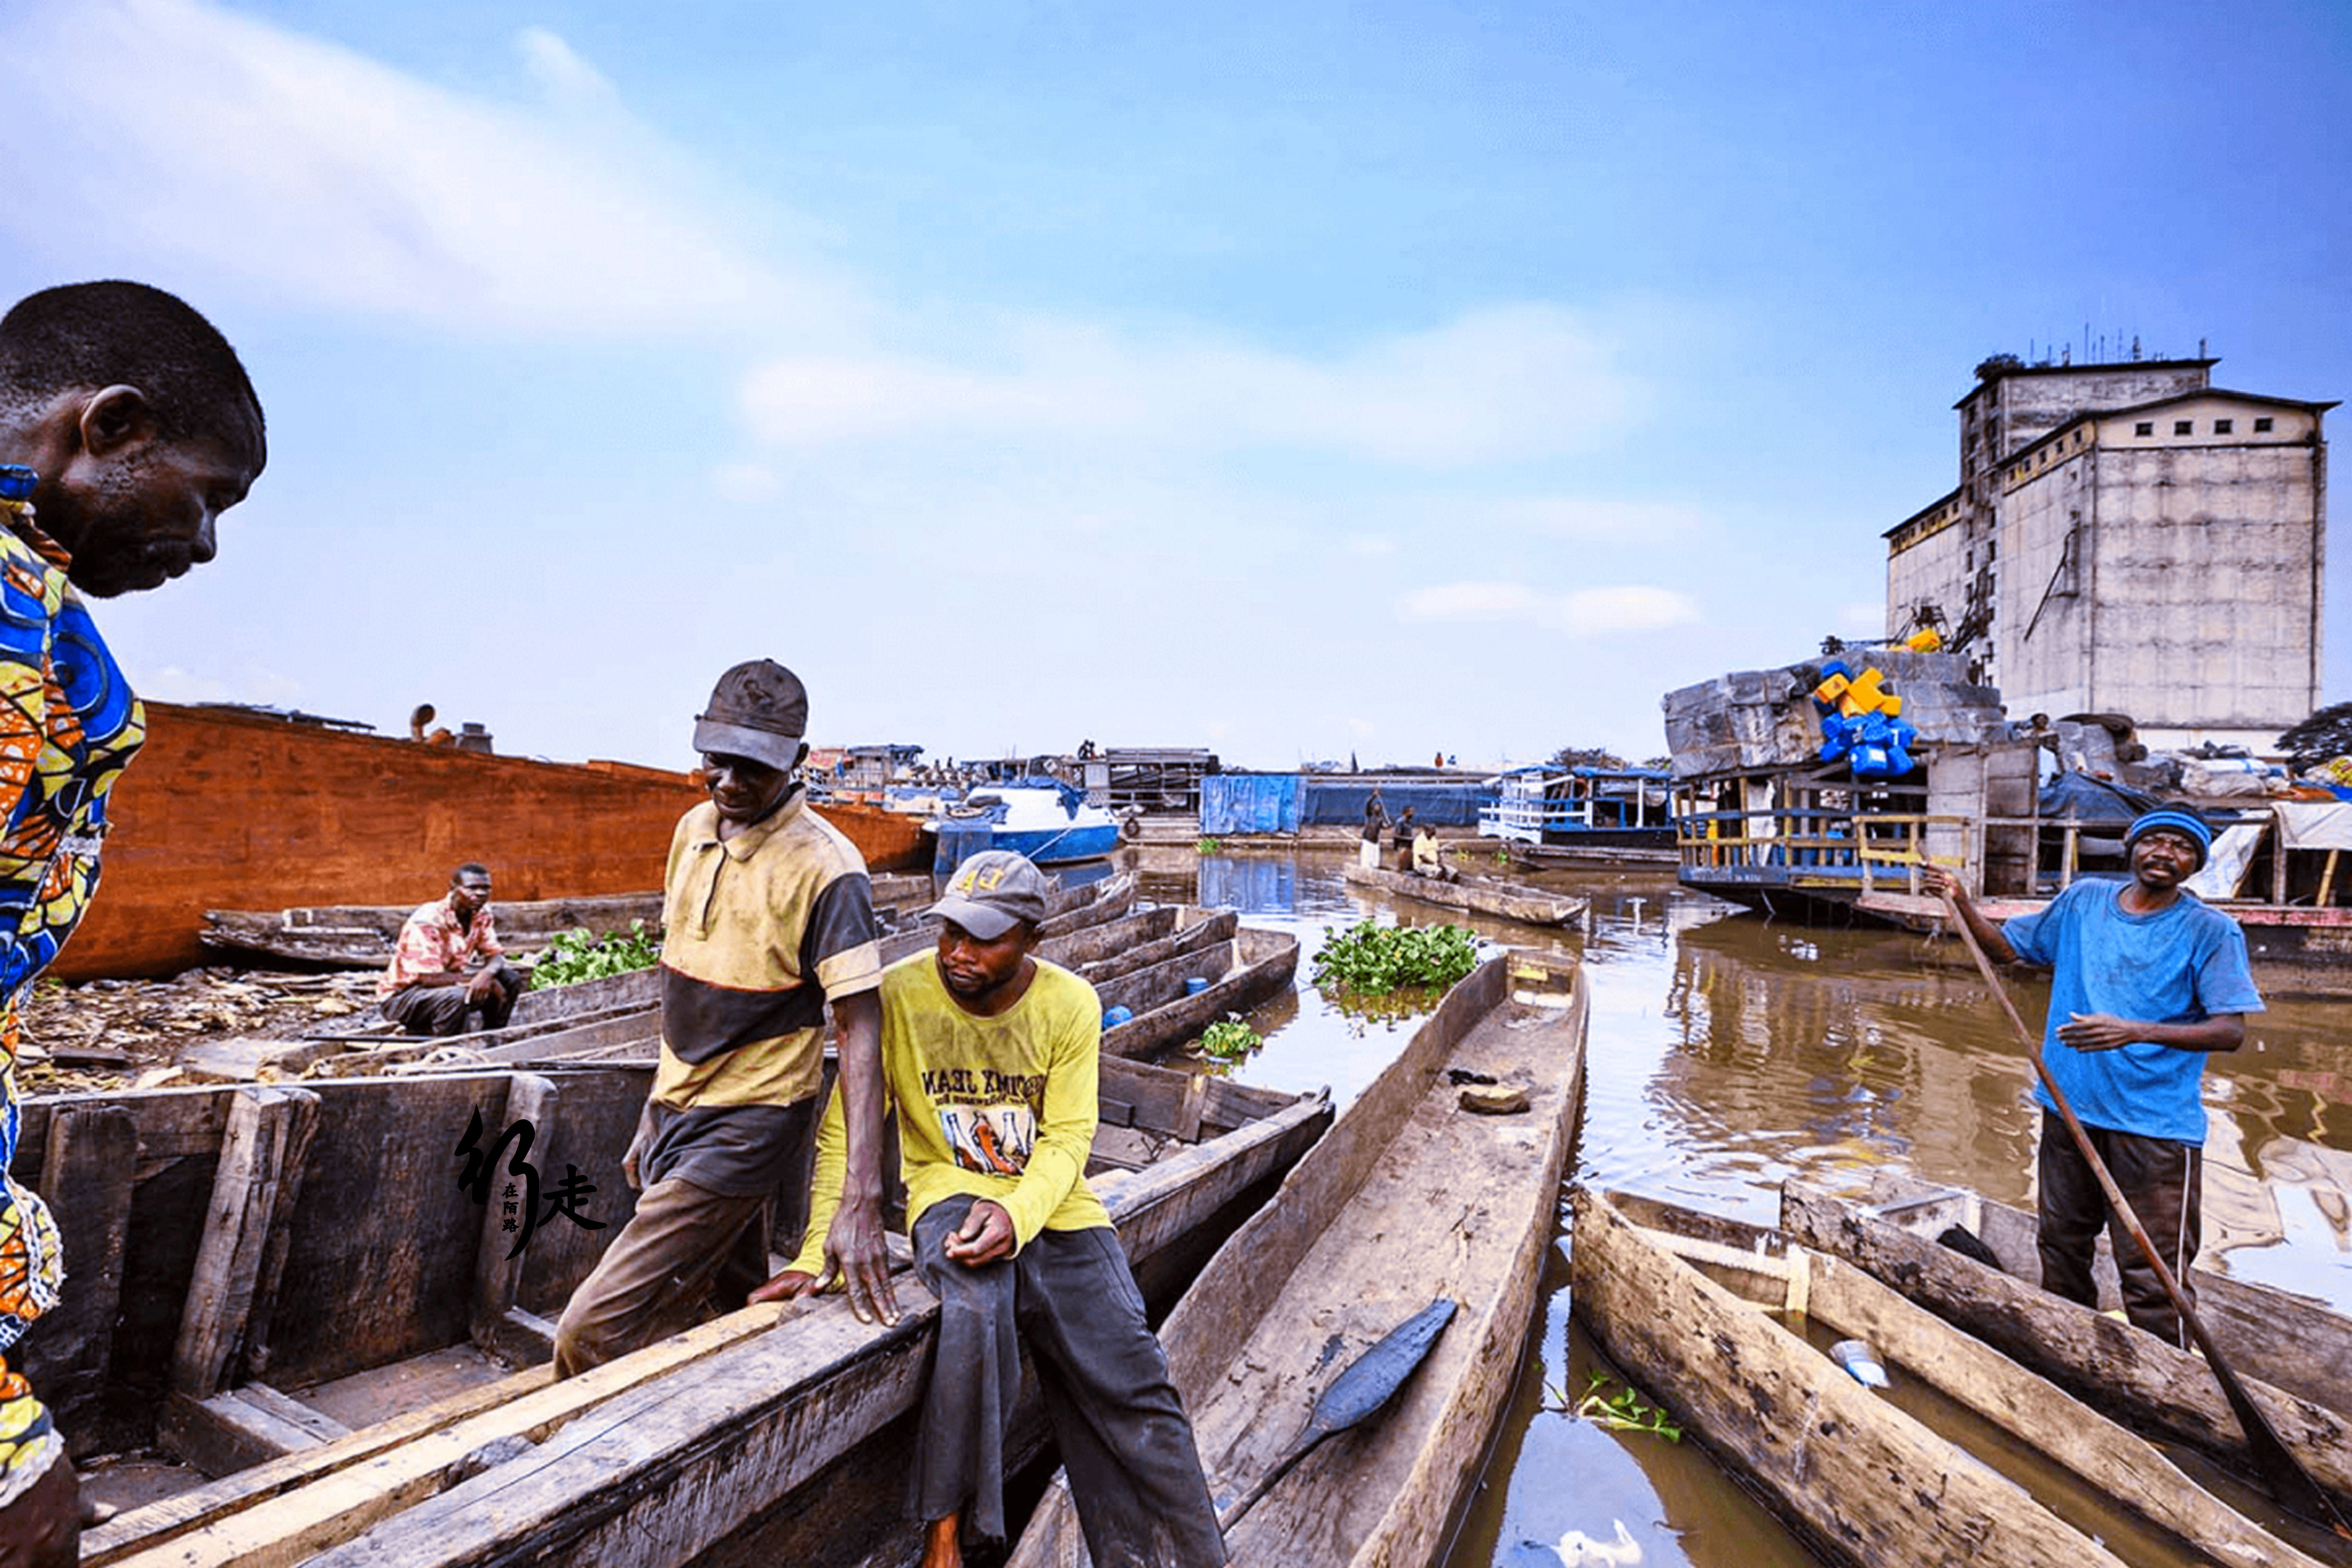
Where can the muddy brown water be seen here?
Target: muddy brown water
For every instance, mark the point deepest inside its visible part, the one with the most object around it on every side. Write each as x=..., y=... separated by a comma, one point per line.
x=1727, y=1053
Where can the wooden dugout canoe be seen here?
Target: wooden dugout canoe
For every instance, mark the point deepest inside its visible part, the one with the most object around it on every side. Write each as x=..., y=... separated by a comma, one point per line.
x=1480, y=895
x=2294, y=1354
x=1691, y=1306
x=1409, y=1198
x=382, y=1265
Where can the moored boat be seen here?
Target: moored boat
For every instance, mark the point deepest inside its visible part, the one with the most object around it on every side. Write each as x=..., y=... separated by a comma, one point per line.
x=1697, y=1309
x=356, y=1276
x=1409, y=1197
x=233, y=809
x=1046, y=819
x=2294, y=1354
x=1480, y=895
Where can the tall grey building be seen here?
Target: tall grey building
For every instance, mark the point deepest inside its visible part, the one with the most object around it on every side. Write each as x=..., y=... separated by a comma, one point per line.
x=2128, y=538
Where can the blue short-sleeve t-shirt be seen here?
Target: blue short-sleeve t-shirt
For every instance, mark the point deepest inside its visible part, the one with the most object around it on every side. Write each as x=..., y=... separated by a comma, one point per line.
x=2182, y=965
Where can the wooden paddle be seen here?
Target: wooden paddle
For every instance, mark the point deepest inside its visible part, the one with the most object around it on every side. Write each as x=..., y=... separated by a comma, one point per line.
x=2281, y=1471
x=1362, y=1388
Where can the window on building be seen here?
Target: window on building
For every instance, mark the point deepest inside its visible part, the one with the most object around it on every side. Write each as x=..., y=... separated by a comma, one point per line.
x=2145, y=428
x=2262, y=426
x=2222, y=427
x=2184, y=427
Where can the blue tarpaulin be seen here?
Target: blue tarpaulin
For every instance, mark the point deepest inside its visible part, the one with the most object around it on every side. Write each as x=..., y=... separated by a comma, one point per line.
x=1339, y=803
x=1249, y=803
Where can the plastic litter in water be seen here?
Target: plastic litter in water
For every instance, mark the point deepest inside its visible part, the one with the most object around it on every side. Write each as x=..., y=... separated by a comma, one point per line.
x=1862, y=1361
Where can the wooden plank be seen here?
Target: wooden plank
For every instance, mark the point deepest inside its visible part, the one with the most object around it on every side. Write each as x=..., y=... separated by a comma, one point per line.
x=499, y=1260
x=278, y=1530
x=2110, y=1460
x=321, y=1427
x=255, y=1189
x=227, y=1431
x=1863, y=1483
x=86, y=1177
x=152, y=1524
x=2110, y=1365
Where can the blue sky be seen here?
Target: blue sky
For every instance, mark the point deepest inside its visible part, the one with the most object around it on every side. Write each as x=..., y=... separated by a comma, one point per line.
x=1295, y=380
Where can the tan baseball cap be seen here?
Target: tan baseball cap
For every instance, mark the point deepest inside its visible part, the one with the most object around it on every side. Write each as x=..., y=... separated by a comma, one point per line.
x=991, y=891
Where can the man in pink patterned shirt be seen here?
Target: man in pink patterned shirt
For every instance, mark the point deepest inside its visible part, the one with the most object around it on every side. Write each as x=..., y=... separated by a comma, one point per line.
x=432, y=986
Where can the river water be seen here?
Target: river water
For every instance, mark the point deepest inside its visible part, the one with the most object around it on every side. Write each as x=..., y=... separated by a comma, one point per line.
x=1727, y=1053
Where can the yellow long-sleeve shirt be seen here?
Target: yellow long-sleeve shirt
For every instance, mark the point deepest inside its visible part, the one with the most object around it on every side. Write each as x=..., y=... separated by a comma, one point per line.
x=1001, y=1107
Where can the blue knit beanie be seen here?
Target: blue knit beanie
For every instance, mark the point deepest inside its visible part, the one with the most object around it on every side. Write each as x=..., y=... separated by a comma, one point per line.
x=2180, y=820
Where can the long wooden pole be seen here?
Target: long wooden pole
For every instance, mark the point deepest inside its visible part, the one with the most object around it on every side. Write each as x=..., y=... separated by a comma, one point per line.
x=2289, y=1482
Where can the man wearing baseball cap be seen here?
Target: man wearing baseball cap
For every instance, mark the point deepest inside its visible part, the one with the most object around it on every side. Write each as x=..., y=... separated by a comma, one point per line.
x=768, y=916
x=2146, y=982
x=991, y=1057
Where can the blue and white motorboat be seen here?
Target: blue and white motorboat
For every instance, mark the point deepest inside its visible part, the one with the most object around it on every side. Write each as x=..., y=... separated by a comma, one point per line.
x=1044, y=818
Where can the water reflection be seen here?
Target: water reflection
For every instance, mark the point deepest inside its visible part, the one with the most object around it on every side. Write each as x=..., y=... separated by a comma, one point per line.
x=1727, y=1053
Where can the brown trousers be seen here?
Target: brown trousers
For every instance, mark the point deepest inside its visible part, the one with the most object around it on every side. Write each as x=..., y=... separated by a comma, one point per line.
x=686, y=1254
x=2160, y=1178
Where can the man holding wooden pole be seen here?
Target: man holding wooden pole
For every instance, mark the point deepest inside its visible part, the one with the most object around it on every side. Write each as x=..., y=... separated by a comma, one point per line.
x=2146, y=982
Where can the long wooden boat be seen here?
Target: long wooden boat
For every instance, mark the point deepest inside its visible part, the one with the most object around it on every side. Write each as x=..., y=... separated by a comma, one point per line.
x=1480, y=895
x=1580, y=857
x=288, y=1287
x=2294, y=1354
x=361, y=936
x=233, y=809
x=1411, y=1196
x=1694, y=1308
x=1143, y=960
x=1175, y=999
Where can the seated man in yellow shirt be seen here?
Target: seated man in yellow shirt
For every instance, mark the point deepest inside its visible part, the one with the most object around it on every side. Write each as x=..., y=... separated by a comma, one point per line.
x=991, y=1057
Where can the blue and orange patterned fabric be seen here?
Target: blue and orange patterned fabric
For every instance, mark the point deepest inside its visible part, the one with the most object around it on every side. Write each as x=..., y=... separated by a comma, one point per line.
x=68, y=724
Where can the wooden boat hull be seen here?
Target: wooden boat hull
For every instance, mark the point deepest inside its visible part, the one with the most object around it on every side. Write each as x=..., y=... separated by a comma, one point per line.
x=431, y=1272
x=227, y=810
x=1689, y=1306
x=1238, y=975
x=1480, y=895
x=1408, y=1197
x=1657, y=850
x=2294, y=1354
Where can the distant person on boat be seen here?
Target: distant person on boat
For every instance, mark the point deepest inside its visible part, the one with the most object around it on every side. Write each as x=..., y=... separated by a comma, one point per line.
x=2147, y=983
x=126, y=427
x=1376, y=822
x=1428, y=855
x=991, y=1057
x=1401, y=841
x=768, y=917
x=448, y=974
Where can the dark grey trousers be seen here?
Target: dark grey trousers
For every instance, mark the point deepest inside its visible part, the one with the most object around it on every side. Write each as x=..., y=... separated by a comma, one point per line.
x=2160, y=1178
x=441, y=1010
x=1126, y=1443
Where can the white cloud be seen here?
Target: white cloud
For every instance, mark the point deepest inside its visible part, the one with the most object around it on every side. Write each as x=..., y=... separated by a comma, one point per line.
x=1504, y=383
x=1368, y=544
x=178, y=136
x=745, y=484
x=1583, y=613
x=1470, y=601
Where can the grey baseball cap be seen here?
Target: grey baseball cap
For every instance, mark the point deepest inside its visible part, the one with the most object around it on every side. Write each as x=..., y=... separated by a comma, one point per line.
x=758, y=709
x=993, y=890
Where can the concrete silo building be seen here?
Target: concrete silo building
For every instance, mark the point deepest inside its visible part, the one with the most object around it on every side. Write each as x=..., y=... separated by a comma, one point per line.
x=2128, y=538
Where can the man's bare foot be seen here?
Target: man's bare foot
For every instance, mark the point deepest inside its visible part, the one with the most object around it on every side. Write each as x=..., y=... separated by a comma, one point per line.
x=940, y=1547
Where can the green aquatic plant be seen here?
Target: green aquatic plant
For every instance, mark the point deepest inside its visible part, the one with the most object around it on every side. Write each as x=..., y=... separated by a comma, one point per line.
x=1204, y=845
x=1369, y=961
x=1621, y=1411
x=573, y=956
x=1229, y=1039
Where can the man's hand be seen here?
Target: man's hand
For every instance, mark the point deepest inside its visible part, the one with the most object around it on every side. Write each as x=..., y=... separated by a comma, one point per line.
x=986, y=1235
x=482, y=985
x=2099, y=1031
x=42, y=1529
x=855, y=1253
x=638, y=1146
x=790, y=1286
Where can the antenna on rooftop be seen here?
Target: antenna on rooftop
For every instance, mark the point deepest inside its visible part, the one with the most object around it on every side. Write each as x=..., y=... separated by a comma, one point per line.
x=2201, y=350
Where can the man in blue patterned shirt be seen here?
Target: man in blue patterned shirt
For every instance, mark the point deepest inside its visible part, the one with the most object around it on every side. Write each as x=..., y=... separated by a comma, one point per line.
x=126, y=427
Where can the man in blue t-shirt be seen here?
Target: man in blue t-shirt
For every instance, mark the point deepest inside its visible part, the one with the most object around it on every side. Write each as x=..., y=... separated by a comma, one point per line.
x=2146, y=981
